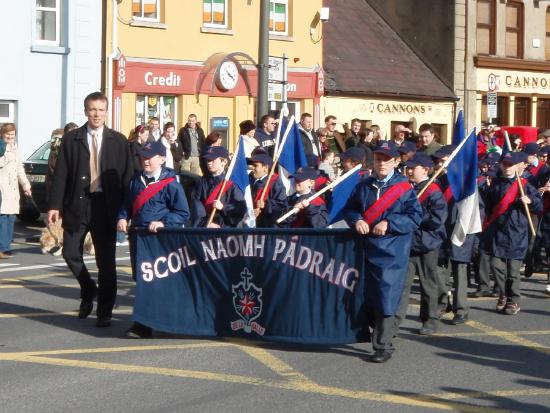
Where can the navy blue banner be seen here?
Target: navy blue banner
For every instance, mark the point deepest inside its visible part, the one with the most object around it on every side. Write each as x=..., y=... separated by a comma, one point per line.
x=299, y=286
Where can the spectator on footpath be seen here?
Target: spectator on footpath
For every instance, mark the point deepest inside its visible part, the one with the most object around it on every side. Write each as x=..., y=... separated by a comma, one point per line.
x=154, y=200
x=400, y=135
x=265, y=134
x=385, y=211
x=139, y=136
x=247, y=132
x=544, y=138
x=57, y=135
x=310, y=140
x=154, y=127
x=368, y=144
x=174, y=150
x=327, y=164
x=354, y=134
x=91, y=175
x=322, y=137
x=192, y=139
x=335, y=139
x=213, y=139
x=12, y=175
x=427, y=138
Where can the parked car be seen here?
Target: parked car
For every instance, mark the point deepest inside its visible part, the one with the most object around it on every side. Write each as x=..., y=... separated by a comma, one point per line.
x=36, y=167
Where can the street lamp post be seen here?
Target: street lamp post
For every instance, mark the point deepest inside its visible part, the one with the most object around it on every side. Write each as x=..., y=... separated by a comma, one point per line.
x=263, y=60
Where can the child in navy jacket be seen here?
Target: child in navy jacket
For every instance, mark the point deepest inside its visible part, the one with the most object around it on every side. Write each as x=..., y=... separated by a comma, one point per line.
x=155, y=199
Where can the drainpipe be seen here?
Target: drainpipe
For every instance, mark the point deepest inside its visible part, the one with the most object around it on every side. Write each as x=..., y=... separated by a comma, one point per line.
x=110, y=59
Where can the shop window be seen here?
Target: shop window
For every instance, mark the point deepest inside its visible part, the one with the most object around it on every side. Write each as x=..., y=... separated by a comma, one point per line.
x=522, y=111
x=48, y=19
x=7, y=111
x=215, y=13
x=547, y=44
x=278, y=17
x=543, y=113
x=149, y=106
x=148, y=10
x=440, y=132
x=502, y=118
x=514, y=29
x=485, y=30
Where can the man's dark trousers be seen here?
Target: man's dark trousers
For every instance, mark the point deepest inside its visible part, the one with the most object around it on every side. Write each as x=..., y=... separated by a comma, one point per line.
x=94, y=218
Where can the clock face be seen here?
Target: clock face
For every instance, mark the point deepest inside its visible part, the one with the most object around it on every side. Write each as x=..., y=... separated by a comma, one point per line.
x=228, y=75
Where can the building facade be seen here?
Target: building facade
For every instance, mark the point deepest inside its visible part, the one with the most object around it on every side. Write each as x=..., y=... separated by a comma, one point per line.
x=52, y=60
x=481, y=46
x=168, y=58
x=373, y=75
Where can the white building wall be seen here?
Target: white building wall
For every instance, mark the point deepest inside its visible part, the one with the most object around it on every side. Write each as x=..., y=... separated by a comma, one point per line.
x=49, y=84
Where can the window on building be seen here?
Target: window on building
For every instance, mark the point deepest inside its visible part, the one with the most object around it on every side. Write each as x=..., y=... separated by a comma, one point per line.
x=502, y=111
x=522, y=111
x=278, y=17
x=7, y=111
x=215, y=13
x=47, y=22
x=149, y=106
x=543, y=113
x=485, y=32
x=146, y=10
x=547, y=45
x=514, y=29
x=440, y=132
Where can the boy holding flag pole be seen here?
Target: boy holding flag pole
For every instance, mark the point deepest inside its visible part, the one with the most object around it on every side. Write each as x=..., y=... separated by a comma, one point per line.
x=385, y=210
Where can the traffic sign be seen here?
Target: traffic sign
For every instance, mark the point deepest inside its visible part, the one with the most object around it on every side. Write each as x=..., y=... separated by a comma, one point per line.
x=492, y=105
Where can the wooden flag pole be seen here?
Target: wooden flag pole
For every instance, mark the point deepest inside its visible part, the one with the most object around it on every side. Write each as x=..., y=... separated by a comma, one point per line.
x=321, y=192
x=224, y=183
x=521, y=190
x=443, y=167
x=276, y=155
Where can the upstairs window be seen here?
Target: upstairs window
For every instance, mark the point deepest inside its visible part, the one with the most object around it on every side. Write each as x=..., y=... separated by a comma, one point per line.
x=547, y=44
x=215, y=13
x=514, y=29
x=485, y=29
x=278, y=17
x=148, y=10
x=47, y=22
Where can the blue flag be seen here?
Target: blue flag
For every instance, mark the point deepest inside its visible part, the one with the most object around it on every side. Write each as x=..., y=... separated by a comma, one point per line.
x=340, y=196
x=239, y=176
x=292, y=154
x=462, y=174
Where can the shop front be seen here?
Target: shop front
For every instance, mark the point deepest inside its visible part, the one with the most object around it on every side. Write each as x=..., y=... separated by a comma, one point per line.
x=523, y=97
x=389, y=113
x=220, y=91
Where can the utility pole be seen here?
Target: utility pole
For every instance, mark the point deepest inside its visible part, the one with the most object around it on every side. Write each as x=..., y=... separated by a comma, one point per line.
x=263, y=60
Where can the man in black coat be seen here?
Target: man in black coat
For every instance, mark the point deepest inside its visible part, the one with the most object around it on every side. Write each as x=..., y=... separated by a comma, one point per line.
x=87, y=192
x=192, y=141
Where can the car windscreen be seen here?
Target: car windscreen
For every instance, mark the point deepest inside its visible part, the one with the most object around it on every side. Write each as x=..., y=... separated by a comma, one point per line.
x=42, y=153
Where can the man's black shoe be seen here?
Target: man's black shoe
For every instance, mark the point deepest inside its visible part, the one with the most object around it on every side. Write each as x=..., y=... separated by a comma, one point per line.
x=138, y=330
x=380, y=356
x=85, y=309
x=459, y=319
x=103, y=321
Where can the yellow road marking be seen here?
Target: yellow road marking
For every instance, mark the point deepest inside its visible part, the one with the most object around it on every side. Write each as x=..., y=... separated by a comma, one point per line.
x=269, y=360
x=127, y=310
x=509, y=336
x=496, y=333
x=63, y=274
x=306, y=387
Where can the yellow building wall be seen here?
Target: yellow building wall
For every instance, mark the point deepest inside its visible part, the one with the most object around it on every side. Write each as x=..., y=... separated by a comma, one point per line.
x=183, y=37
x=381, y=112
x=127, y=122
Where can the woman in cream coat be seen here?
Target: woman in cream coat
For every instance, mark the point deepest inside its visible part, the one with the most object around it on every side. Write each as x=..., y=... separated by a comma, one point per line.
x=12, y=174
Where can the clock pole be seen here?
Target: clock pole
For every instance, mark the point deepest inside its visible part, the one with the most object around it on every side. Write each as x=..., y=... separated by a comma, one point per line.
x=263, y=60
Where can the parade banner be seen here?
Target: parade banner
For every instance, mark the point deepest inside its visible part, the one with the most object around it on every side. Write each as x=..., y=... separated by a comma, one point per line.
x=299, y=286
